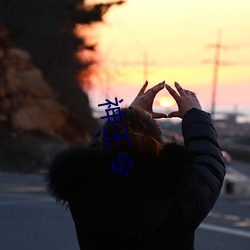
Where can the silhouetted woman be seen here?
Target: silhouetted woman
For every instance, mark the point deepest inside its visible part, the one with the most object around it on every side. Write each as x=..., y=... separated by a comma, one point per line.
x=167, y=192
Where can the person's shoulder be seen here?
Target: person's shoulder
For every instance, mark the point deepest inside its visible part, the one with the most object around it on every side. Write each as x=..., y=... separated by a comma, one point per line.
x=174, y=152
x=69, y=170
x=175, y=159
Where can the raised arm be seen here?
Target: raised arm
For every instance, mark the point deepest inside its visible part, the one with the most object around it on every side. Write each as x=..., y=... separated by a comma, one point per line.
x=204, y=151
x=208, y=166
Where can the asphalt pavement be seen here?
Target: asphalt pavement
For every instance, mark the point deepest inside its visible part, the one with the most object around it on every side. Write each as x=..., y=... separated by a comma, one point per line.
x=31, y=220
x=227, y=227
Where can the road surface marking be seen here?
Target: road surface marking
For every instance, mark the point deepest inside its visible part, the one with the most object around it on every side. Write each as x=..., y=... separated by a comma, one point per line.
x=26, y=201
x=225, y=230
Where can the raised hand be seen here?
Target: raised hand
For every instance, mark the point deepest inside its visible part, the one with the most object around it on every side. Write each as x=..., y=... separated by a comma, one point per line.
x=185, y=100
x=145, y=99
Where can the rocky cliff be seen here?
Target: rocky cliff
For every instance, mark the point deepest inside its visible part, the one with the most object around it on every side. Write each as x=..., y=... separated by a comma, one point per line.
x=33, y=124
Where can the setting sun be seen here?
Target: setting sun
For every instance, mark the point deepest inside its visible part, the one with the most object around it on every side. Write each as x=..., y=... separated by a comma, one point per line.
x=165, y=102
x=177, y=43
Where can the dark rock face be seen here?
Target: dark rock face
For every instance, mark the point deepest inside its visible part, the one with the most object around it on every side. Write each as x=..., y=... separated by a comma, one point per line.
x=26, y=100
x=41, y=78
x=34, y=125
x=46, y=30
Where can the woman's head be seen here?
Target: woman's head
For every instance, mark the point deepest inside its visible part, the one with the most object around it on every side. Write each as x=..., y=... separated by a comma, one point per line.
x=143, y=132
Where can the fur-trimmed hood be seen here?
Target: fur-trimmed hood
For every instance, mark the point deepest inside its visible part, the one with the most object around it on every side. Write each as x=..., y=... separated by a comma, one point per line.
x=74, y=169
x=82, y=178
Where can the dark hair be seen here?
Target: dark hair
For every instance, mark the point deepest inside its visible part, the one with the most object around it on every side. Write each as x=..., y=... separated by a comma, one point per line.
x=144, y=133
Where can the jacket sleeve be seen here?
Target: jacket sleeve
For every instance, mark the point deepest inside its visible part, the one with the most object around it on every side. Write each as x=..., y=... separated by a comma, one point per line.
x=207, y=161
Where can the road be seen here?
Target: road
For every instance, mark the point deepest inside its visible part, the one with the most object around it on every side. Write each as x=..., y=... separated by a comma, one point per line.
x=227, y=227
x=30, y=219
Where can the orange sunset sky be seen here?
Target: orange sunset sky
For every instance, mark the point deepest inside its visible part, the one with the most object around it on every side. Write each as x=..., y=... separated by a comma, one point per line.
x=169, y=40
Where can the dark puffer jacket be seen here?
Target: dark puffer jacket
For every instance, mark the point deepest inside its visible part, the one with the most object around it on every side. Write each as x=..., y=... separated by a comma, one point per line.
x=157, y=206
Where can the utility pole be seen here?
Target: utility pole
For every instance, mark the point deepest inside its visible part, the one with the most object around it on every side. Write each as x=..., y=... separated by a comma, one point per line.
x=217, y=63
x=216, y=71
